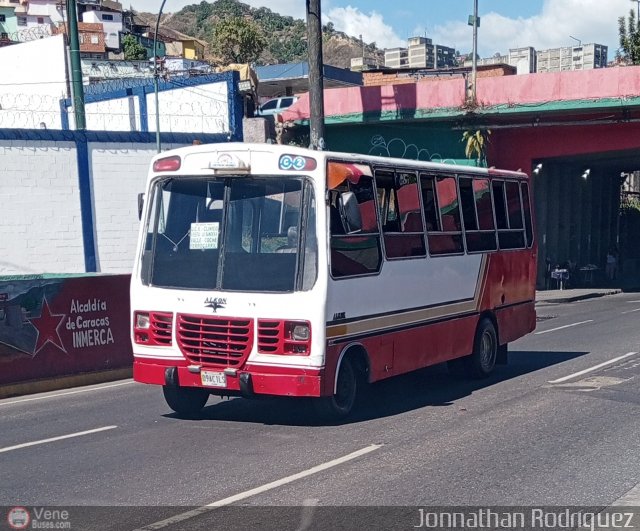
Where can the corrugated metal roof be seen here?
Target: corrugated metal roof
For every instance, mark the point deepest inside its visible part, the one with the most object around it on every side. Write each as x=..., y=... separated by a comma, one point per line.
x=301, y=70
x=110, y=4
x=283, y=71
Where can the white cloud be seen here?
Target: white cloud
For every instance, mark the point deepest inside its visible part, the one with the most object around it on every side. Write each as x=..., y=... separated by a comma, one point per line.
x=587, y=20
x=371, y=26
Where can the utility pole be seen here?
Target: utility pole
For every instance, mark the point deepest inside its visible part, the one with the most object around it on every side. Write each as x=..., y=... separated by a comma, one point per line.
x=76, y=69
x=316, y=82
x=474, y=59
x=155, y=76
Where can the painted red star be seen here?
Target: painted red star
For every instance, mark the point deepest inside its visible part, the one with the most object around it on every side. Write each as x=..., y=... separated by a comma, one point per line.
x=47, y=326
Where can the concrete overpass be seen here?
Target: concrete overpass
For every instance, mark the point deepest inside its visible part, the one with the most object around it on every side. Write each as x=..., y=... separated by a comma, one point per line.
x=568, y=122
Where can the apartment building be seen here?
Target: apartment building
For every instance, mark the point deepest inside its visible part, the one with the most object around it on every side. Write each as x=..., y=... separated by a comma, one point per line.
x=420, y=53
x=109, y=14
x=8, y=20
x=528, y=61
x=582, y=57
x=524, y=59
x=41, y=12
x=396, y=58
x=360, y=64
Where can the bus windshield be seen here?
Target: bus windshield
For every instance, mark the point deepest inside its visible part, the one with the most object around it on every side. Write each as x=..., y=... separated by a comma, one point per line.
x=233, y=233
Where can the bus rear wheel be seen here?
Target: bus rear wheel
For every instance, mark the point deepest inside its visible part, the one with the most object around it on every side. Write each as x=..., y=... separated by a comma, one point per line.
x=482, y=361
x=341, y=404
x=185, y=401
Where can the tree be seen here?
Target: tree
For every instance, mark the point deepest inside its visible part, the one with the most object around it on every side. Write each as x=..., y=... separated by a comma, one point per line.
x=237, y=40
x=629, y=32
x=476, y=145
x=133, y=50
x=329, y=28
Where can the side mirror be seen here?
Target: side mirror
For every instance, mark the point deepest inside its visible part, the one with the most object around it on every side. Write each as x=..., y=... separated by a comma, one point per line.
x=140, y=205
x=350, y=212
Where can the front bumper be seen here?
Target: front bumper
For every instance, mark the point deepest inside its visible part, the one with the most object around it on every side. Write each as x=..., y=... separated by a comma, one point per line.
x=275, y=381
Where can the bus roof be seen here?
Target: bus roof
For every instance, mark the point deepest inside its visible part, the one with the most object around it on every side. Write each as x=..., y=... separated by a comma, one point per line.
x=322, y=156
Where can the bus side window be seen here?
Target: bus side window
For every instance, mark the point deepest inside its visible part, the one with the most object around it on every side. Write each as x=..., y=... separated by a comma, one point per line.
x=355, y=254
x=528, y=223
x=477, y=213
x=500, y=205
x=429, y=202
x=399, y=207
x=506, y=198
x=335, y=220
x=444, y=233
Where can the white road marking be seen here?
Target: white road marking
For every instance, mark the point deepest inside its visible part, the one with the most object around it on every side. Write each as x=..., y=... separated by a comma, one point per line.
x=3, y=403
x=258, y=490
x=631, y=311
x=308, y=509
x=53, y=439
x=631, y=302
x=565, y=326
x=630, y=499
x=591, y=369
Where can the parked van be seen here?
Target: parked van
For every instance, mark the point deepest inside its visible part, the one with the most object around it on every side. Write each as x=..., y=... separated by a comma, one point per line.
x=276, y=105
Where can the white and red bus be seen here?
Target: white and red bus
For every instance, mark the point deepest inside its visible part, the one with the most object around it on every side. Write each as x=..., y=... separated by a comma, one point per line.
x=274, y=270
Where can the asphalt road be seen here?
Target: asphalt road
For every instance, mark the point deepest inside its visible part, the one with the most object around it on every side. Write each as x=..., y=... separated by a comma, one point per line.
x=558, y=426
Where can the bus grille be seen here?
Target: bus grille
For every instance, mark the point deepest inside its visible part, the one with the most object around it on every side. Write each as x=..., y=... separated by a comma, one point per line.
x=160, y=327
x=207, y=340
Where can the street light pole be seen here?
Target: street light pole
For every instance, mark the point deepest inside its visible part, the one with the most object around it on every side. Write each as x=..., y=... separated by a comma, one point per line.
x=155, y=75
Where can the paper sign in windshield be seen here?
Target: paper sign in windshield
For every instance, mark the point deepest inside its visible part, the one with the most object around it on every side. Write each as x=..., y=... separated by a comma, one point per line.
x=204, y=235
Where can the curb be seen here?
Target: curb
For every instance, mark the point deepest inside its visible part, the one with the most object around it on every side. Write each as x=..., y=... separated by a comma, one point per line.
x=64, y=382
x=584, y=296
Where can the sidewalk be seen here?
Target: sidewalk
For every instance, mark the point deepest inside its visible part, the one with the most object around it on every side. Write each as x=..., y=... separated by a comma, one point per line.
x=571, y=295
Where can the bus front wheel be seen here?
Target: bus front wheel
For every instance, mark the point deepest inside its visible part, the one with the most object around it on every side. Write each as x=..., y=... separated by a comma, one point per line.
x=482, y=361
x=185, y=401
x=340, y=405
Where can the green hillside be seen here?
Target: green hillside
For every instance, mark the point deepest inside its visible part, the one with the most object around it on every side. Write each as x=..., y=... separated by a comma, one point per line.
x=285, y=36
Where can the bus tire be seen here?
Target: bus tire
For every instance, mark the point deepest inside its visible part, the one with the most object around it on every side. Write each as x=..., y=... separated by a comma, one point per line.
x=482, y=360
x=185, y=401
x=340, y=405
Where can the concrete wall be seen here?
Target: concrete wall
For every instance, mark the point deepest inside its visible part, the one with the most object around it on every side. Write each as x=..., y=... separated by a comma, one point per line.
x=118, y=174
x=40, y=207
x=202, y=108
x=57, y=331
x=205, y=104
x=33, y=83
x=399, y=77
x=68, y=200
x=37, y=97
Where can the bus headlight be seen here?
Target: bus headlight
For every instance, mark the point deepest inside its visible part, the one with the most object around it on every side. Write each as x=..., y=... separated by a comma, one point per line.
x=142, y=321
x=300, y=332
x=153, y=328
x=276, y=336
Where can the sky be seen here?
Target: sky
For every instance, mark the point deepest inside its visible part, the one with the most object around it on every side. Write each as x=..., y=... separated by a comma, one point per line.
x=504, y=24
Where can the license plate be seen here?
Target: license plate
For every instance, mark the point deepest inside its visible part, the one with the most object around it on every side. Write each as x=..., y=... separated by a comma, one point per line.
x=213, y=379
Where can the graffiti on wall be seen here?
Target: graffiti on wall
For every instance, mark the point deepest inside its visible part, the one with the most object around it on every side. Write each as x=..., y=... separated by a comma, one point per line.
x=398, y=148
x=61, y=326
